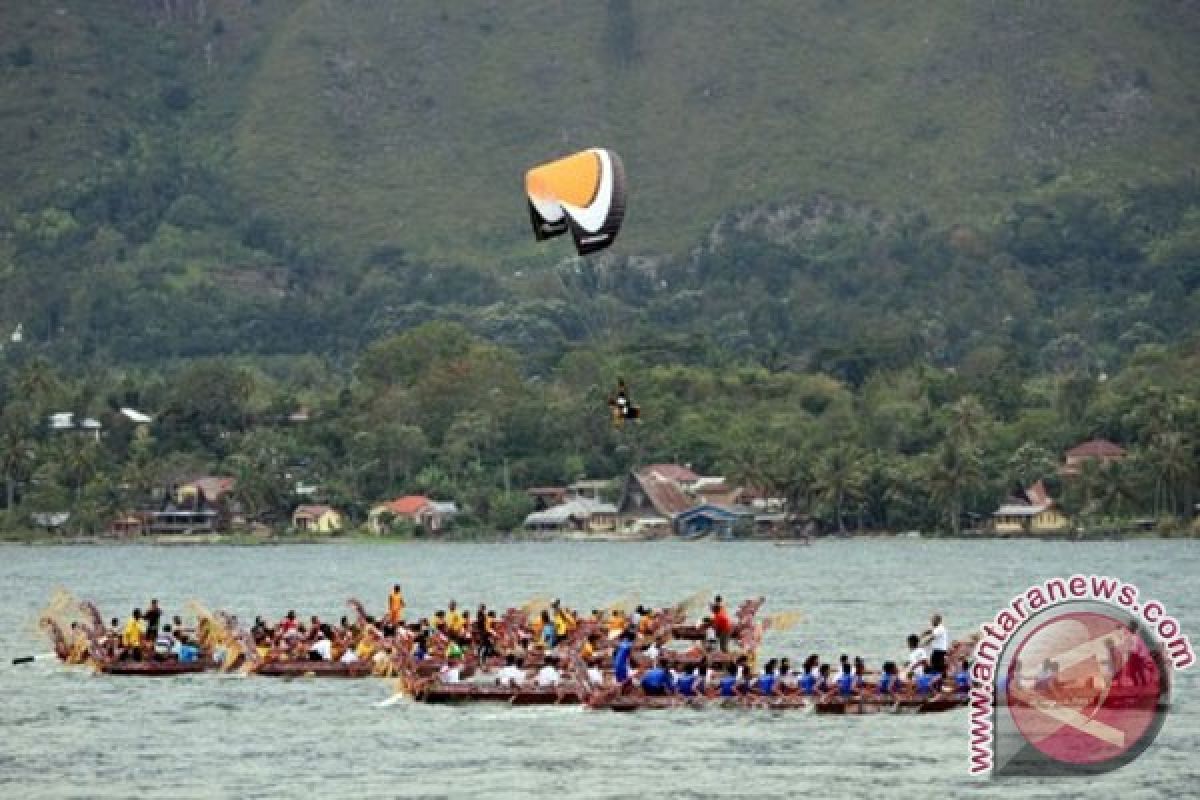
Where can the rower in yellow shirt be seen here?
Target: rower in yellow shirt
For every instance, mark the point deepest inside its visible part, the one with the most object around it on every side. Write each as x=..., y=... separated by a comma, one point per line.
x=455, y=623
x=616, y=623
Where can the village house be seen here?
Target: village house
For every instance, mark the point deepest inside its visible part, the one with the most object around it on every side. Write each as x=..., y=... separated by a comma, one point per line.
x=577, y=514
x=1099, y=451
x=1036, y=512
x=317, y=519
x=201, y=505
x=409, y=507
x=652, y=497
x=544, y=497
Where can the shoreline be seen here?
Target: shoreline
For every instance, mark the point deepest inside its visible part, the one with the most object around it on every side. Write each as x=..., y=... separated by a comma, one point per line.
x=37, y=539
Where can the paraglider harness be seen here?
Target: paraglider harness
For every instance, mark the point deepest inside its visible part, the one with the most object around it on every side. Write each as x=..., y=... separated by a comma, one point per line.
x=621, y=407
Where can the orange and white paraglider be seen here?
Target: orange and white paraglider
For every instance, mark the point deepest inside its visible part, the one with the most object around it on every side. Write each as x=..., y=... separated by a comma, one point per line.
x=583, y=193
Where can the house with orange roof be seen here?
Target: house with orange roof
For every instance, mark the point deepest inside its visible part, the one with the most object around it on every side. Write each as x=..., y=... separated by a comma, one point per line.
x=410, y=507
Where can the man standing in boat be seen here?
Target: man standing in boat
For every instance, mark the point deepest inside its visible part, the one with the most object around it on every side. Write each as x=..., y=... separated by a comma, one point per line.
x=396, y=606
x=938, y=641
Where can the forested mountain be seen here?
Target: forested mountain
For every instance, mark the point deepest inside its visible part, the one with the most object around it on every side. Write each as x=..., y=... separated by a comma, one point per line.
x=993, y=200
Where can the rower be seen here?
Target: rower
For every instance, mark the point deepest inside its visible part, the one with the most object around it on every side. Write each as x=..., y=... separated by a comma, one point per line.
x=918, y=661
x=163, y=644
x=548, y=676
x=767, y=683
x=889, y=681
x=511, y=673
x=823, y=684
x=847, y=683
x=546, y=632
x=658, y=681
x=728, y=687
x=321, y=649
x=622, y=656
x=455, y=624
x=451, y=671
x=962, y=678
x=927, y=682
x=685, y=684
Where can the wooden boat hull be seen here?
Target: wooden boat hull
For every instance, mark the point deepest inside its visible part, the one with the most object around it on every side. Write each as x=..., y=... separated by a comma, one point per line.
x=875, y=705
x=152, y=669
x=314, y=669
x=627, y=703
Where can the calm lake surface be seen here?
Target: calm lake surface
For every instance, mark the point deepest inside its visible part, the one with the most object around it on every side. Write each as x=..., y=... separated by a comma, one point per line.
x=69, y=733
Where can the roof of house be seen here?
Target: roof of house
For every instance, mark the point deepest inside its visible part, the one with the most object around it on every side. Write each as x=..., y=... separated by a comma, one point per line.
x=673, y=472
x=1018, y=510
x=313, y=511
x=213, y=486
x=715, y=510
x=1096, y=448
x=546, y=491
x=1039, y=501
x=409, y=504
x=664, y=493
x=133, y=415
x=579, y=508
x=445, y=508
x=590, y=483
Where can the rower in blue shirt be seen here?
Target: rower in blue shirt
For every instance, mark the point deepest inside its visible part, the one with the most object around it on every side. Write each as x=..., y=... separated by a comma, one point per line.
x=847, y=683
x=766, y=683
x=658, y=681
x=807, y=684
x=728, y=686
x=962, y=678
x=685, y=684
x=889, y=681
x=927, y=682
x=622, y=655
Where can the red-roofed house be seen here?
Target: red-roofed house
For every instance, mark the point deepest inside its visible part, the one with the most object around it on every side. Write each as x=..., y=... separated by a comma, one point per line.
x=1100, y=451
x=204, y=492
x=411, y=507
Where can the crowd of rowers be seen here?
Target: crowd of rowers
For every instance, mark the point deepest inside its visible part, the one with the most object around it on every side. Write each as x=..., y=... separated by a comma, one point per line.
x=550, y=646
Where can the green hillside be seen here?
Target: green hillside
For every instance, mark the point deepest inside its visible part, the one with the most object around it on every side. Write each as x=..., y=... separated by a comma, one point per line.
x=194, y=177
x=412, y=123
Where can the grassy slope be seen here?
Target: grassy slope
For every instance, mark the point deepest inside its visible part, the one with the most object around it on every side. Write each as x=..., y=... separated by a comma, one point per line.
x=376, y=123
x=413, y=127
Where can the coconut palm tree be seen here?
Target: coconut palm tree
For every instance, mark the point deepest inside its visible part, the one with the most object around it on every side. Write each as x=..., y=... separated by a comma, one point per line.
x=838, y=479
x=955, y=470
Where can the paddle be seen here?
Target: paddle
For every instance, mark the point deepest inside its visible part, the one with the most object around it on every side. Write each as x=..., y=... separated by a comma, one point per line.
x=31, y=659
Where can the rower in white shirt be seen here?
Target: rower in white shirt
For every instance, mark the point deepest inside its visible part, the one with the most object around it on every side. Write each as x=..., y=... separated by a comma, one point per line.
x=510, y=674
x=918, y=660
x=549, y=676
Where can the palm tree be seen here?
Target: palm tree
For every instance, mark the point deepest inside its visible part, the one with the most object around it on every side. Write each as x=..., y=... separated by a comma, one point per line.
x=17, y=455
x=968, y=421
x=838, y=479
x=1173, y=466
x=953, y=473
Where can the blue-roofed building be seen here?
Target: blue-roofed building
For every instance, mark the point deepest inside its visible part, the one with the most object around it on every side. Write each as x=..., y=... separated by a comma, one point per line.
x=709, y=519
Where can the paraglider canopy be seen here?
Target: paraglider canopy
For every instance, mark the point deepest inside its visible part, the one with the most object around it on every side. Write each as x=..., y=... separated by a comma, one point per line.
x=583, y=193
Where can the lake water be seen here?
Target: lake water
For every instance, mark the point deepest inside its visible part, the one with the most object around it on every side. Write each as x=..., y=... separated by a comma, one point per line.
x=69, y=733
